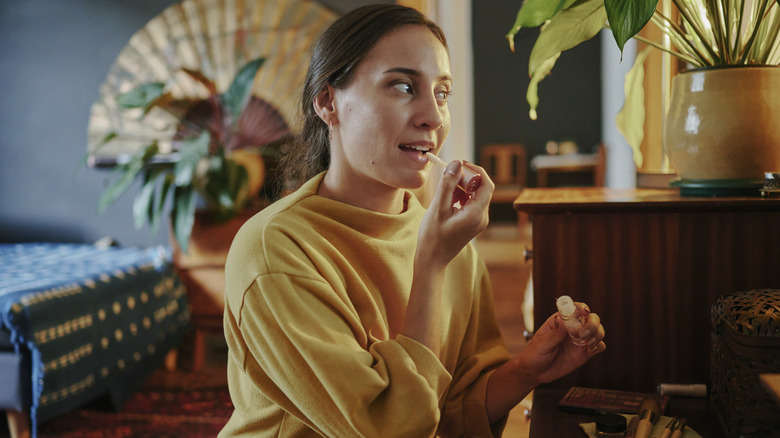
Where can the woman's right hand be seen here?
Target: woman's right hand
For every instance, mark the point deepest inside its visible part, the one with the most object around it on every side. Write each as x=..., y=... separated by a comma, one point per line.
x=444, y=231
x=453, y=218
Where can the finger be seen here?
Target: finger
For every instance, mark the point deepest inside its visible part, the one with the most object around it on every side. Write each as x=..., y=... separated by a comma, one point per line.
x=442, y=199
x=484, y=192
x=592, y=328
x=596, y=349
x=596, y=336
x=584, y=308
x=458, y=195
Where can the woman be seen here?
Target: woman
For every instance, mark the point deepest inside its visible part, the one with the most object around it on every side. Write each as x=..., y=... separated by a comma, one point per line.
x=351, y=311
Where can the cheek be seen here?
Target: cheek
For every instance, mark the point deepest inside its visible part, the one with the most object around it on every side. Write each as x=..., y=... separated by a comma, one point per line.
x=445, y=126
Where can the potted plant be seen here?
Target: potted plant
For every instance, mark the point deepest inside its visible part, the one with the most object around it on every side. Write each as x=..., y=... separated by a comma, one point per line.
x=709, y=36
x=215, y=157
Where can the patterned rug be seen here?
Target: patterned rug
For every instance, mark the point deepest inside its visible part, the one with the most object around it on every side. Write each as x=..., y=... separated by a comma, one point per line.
x=192, y=413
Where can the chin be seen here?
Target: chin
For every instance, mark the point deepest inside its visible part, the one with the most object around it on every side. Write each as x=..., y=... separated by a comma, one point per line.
x=416, y=183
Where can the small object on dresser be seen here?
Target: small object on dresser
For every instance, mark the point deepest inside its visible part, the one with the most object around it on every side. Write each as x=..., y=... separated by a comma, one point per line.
x=745, y=344
x=679, y=428
x=649, y=413
x=771, y=184
x=683, y=389
x=596, y=401
x=610, y=425
x=670, y=427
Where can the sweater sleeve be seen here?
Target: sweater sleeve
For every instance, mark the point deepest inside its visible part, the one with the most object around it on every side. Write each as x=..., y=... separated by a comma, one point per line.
x=300, y=335
x=482, y=350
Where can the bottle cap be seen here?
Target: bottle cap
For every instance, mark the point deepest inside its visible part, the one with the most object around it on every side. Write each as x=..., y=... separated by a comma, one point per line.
x=565, y=305
x=611, y=423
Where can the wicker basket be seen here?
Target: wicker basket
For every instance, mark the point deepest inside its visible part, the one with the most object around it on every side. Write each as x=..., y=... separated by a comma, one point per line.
x=746, y=343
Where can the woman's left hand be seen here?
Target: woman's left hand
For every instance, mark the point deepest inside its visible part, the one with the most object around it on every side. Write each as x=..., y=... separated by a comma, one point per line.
x=550, y=354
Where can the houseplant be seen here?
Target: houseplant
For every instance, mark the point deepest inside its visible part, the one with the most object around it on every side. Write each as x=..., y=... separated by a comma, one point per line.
x=708, y=34
x=215, y=150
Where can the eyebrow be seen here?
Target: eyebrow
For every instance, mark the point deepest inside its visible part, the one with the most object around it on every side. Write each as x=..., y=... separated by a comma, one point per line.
x=413, y=72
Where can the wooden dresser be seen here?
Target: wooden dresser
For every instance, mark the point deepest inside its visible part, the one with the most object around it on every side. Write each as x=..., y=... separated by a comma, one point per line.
x=650, y=263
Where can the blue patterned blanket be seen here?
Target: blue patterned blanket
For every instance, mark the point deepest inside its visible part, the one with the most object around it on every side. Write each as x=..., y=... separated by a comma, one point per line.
x=94, y=321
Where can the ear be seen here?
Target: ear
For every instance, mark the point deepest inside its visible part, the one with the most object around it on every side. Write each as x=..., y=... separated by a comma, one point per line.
x=324, y=105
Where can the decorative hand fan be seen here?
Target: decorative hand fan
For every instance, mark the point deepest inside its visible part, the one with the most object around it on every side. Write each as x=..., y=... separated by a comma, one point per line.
x=195, y=84
x=197, y=44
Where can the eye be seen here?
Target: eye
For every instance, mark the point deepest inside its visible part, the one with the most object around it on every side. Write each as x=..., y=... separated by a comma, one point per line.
x=404, y=87
x=443, y=95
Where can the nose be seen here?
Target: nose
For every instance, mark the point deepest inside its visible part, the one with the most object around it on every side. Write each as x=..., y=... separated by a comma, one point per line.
x=430, y=114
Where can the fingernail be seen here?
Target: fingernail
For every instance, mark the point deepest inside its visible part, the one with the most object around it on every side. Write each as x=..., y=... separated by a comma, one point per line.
x=585, y=333
x=453, y=168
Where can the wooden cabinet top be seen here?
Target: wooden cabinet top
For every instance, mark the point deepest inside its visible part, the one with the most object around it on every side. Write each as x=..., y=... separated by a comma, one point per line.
x=601, y=199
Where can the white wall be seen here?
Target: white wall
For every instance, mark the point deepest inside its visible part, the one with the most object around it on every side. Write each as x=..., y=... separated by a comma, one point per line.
x=454, y=18
x=621, y=170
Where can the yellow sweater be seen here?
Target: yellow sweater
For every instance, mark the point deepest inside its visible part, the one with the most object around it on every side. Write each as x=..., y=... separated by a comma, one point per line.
x=316, y=292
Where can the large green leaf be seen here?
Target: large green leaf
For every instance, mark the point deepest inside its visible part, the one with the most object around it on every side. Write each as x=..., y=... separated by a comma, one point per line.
x=192, y=151
x=127, y=173
x=628, y=17
x=183, y=214
x=156, y=210
x=532, y=94
x=630, y=120
x=226, y=189
x=533, y=13
x=567, y=29
x=144, y=200
x=237, y=94
x=570, y=27
x=141, y=96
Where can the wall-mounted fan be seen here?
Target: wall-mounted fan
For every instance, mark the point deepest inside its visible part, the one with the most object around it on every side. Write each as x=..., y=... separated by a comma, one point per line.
x=193, y=51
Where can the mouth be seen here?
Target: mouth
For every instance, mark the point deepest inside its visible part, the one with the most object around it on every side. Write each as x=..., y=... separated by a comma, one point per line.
x=420, y=149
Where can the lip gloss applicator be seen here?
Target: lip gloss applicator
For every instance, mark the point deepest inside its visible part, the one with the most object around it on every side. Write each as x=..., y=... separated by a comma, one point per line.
x=470, y=178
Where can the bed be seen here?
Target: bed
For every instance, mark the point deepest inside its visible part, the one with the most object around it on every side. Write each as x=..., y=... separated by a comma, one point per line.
x=78, y=322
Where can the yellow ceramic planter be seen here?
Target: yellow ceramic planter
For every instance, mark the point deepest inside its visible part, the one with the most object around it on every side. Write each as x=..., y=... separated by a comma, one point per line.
x=723, y=125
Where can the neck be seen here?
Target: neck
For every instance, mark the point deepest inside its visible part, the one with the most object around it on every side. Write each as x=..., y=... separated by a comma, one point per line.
x=381, y=200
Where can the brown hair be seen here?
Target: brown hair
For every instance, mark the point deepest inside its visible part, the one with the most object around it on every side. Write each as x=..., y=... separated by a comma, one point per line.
x=335, y=55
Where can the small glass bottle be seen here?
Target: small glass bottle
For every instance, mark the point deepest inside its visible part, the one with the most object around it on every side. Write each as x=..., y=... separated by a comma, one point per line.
x=572, y=318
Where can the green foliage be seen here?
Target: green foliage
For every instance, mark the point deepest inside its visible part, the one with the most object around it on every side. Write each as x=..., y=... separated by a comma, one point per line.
x=141, y=97
x=565, y=29
x=709, y=33
x=196, y=169
x=627, y=18
x=237, y=95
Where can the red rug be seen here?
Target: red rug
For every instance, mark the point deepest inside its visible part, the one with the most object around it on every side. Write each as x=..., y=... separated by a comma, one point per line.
x=192, y=413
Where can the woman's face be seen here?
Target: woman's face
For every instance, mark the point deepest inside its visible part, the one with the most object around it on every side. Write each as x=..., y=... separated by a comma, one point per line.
x=393, y=110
